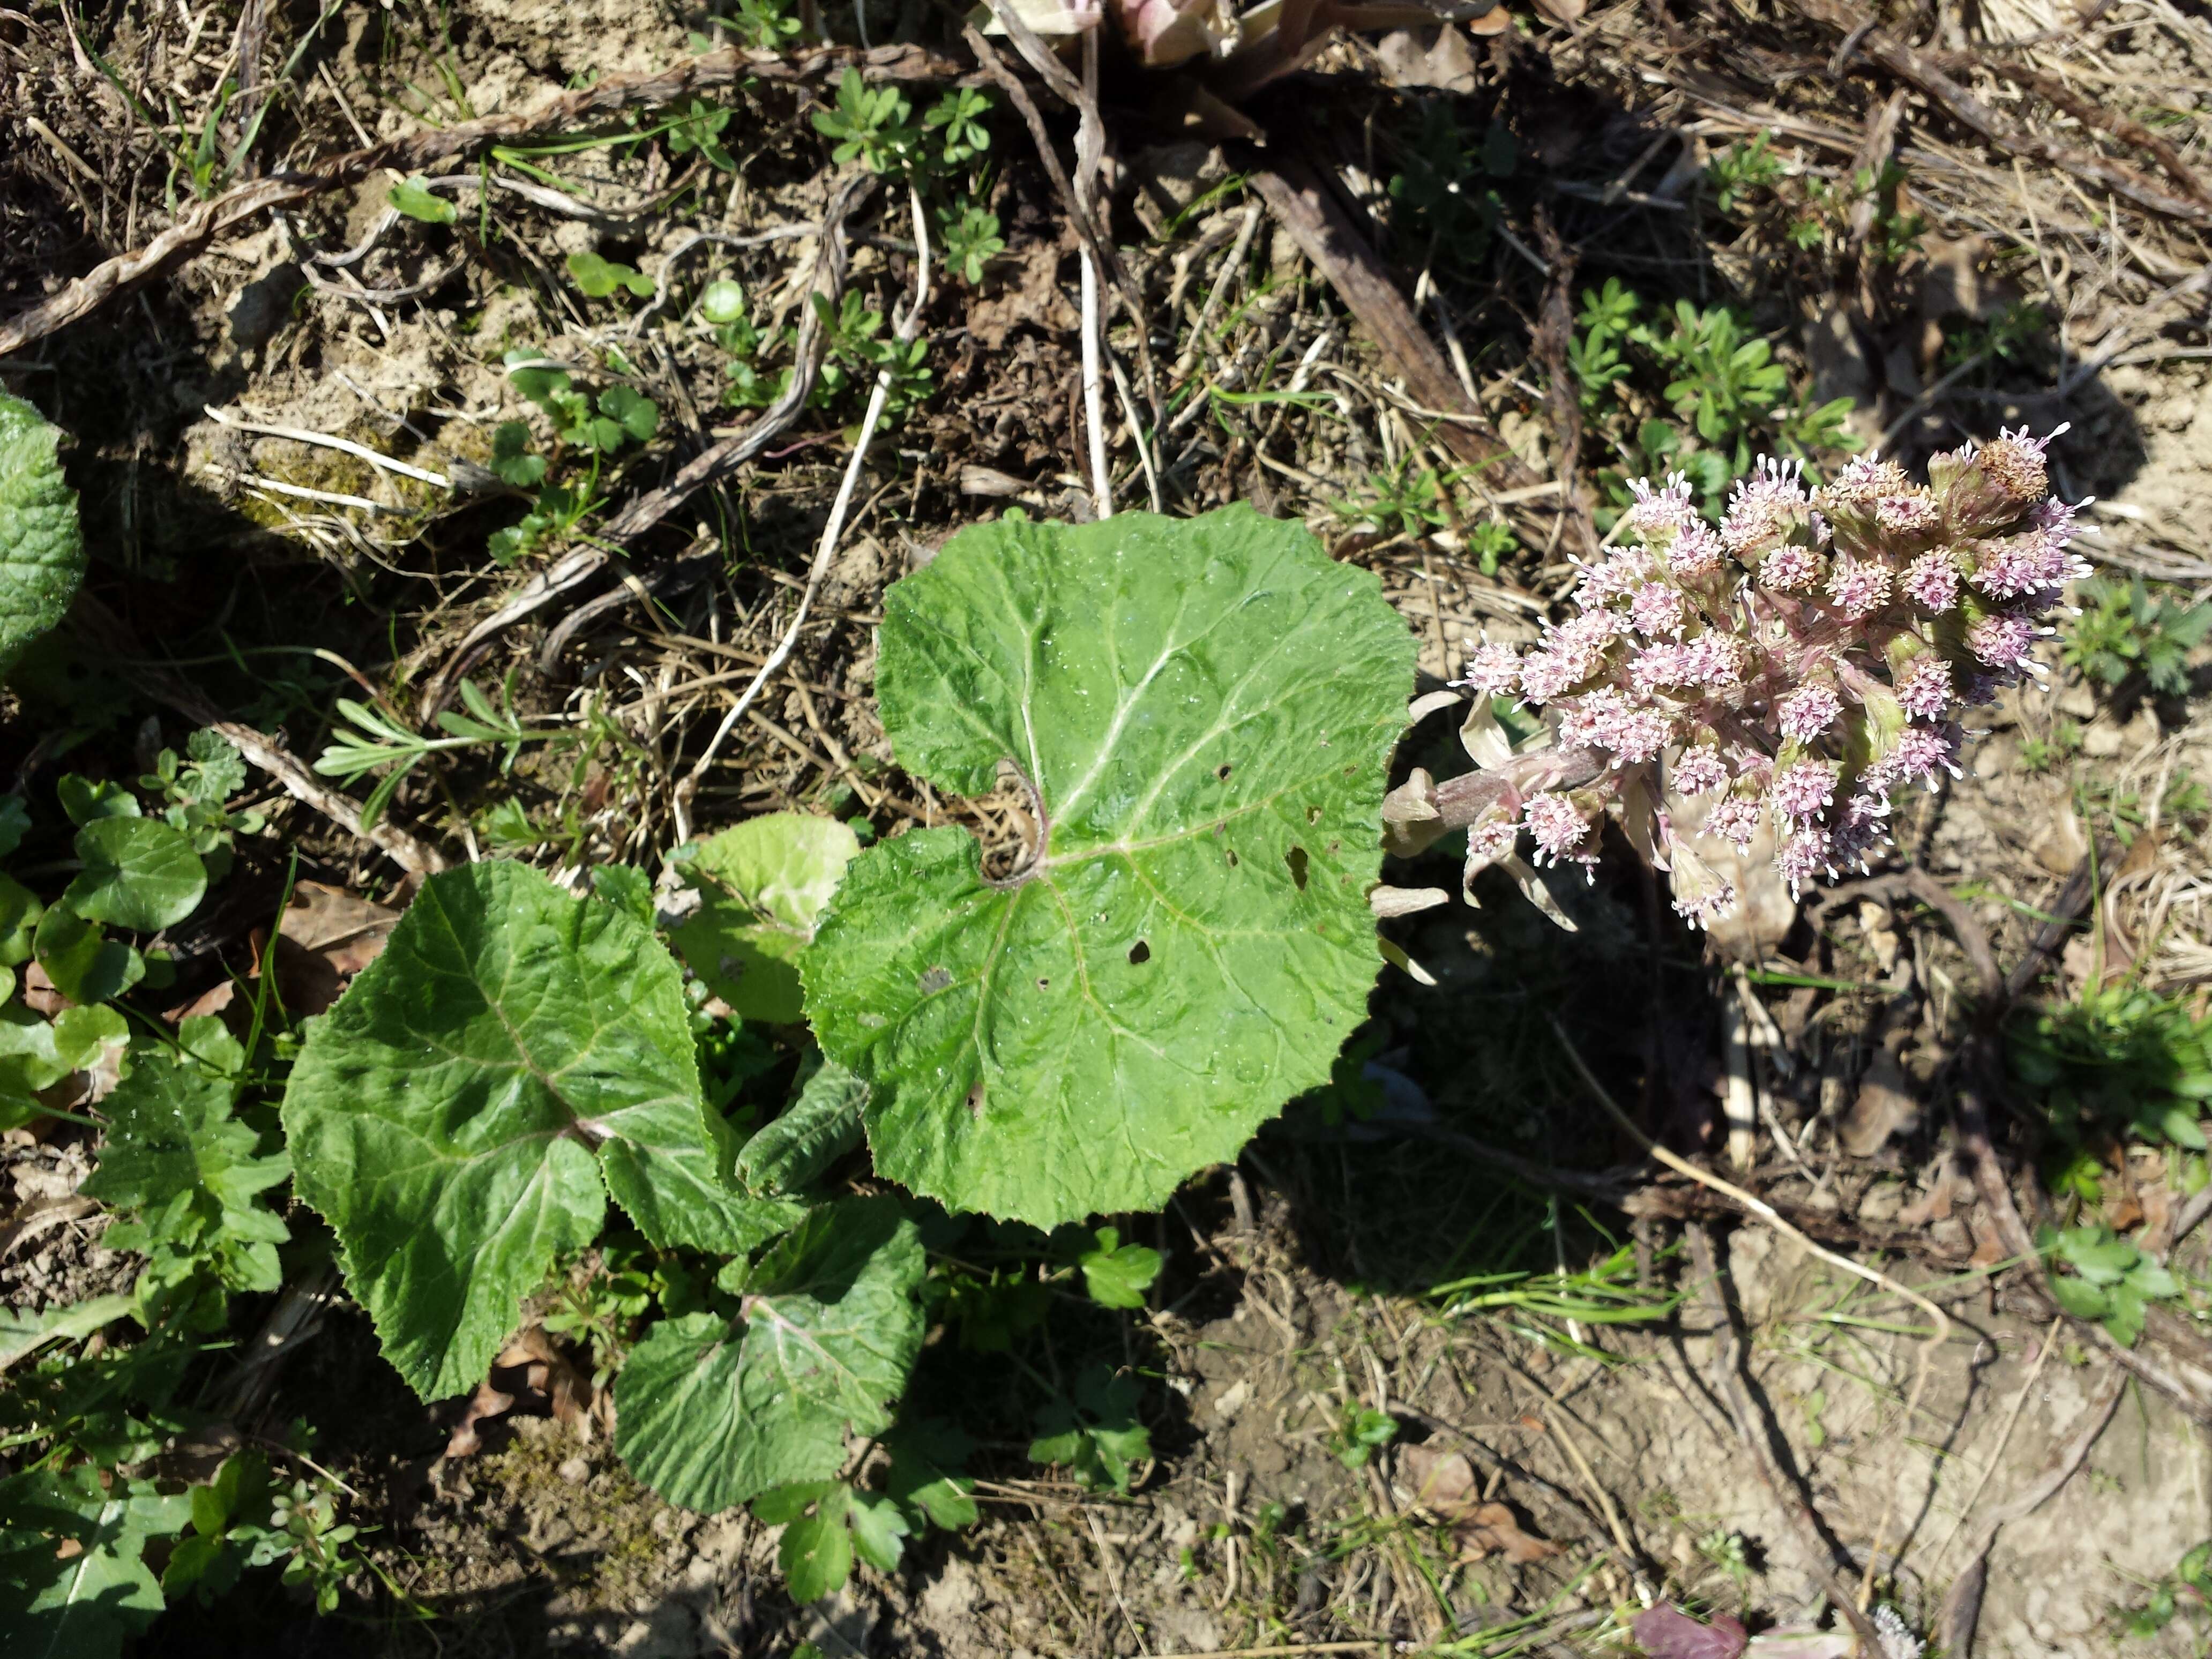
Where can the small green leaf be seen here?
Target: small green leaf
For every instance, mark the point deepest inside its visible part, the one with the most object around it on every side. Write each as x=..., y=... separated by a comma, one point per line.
x=172, y=1142
x=879, y=1530
x=1206, y=708
x=711, y=1411
x=20, y=911
x=599, y=278
x=412, y=197
x=85, y=800
x=15, y=823
x=516, y=1055
x=85, y=965
x=762, y=883
x=789, y=1153
x=138, y=874
x=2079, y=1297
x=1096, y=1436
x=22, y=1334
x=722, y=301
x=816, y=1552
x=511, y=459
x=637, y=414
x=1116, y=1275
x=926, y=1458
x=534, y=377
x=2181, y=1127
x=41, y=548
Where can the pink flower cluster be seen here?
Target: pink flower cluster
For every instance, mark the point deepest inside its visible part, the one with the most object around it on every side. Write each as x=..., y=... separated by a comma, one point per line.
x=1800, y=663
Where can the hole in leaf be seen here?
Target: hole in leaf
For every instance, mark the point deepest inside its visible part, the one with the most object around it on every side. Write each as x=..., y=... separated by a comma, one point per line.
x=1222, y=771
x=1044, y=985
x=938, y=978
x=1312, y=815
x=1232, y=857
x=1140, y=953
x=1296, y=858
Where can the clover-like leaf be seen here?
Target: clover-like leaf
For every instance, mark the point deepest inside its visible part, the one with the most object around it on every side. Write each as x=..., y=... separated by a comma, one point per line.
x=599, y=278
x=762, y=883
x=41, y=548
x=1203, y=709
x=462, y=1112
x=138, y=874
x=710, y=1412
x=511, y=458
x=634, y=412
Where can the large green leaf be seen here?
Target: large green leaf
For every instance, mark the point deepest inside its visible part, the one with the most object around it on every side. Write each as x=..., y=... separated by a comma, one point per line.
x=1205, y=710
x=138, y=874
x=462, y=1113
x=762, y=883
x=710, y=1412
x=41, y=549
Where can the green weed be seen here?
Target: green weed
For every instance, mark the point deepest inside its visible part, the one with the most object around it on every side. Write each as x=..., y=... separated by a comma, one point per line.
x=2128, y=629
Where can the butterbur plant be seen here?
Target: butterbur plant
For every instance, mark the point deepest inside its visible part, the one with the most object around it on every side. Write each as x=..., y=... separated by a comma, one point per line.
x=1786, y=674
x=1198, y=713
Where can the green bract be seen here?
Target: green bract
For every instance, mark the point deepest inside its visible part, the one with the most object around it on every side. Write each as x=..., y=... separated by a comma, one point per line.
x=460, y=1116
x=41, y=550
x=762, y=883
x=1205, y=710
x=710, y=1412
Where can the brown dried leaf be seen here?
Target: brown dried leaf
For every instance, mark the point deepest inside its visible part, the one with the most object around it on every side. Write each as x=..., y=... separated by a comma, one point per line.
x=1885, y=1105
x=1491, y=1529
x=1445, y=1484
x=1423, y=58
x=531, y=1377
x=327, y=936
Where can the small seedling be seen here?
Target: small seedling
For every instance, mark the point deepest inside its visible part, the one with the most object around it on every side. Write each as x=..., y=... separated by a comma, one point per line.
x=598, y=277
x=869, y=124
x=959, y=116
x=364, y=737
x=1741, y=171
x=971, y=239
x=763, y=24
x=2113, y=1281
x=1360, y=1433
x=722, y=302
x=2128, y=629
x=412, y=197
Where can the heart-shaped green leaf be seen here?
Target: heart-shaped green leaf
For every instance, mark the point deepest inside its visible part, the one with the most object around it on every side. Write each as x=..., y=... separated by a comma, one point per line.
x=710, y=1412
x=138, y=874
x=1204, y=709
x=460, y=1116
